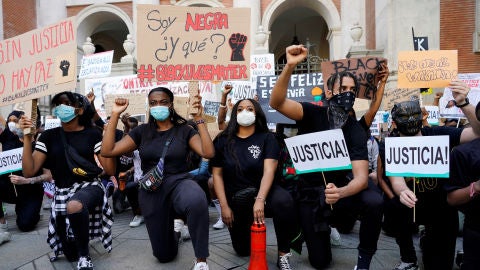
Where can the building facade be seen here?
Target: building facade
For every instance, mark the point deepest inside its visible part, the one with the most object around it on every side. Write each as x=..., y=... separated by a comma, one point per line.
x=331, y=29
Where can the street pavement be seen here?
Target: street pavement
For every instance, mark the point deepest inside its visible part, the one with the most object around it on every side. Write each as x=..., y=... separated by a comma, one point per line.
x=132, y=250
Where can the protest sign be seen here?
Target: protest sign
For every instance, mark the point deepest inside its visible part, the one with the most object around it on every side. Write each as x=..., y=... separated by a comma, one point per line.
x=319, y=151
x=261, y=65
x=418, y=156
x=52, y=123
x=211, y=108
x=240, y=90
x=424, y=69
x=11, y=160
x=433, y=115
x=38, y=63
x=364, y=69
x=395, y=95
x=302, y=88
x=193, y=43
x=96, y=65
x=447, y=106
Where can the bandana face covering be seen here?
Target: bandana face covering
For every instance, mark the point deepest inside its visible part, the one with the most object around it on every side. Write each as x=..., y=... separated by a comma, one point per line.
x=339, y=105
x=408, y=117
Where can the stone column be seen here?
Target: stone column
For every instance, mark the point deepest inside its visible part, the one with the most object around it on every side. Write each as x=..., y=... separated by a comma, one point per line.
x=50, y=12
x=254, y=6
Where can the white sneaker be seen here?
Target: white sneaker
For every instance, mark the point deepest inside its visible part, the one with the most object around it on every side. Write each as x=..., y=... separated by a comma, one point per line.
x=335, y=238
x=185, y=233
x=136, y=221
x=200, y=266
x=178, y=224
x=4, y=237
x=219, y=225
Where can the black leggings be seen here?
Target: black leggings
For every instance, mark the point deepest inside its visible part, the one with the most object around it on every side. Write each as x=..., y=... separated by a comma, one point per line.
x=280, y=206
x=28, y=202
x=368, y=205
x=185, y=199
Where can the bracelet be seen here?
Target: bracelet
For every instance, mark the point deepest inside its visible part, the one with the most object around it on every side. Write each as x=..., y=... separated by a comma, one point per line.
x=261, y=198
x=464, y=104
x=201, y=121
x=473, y=192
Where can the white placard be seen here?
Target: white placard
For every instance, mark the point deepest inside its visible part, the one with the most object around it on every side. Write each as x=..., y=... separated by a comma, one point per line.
x=261, y=65
x=96, y=65
x=11, y=160
x=319, y=151
x=52, y=123
x=419, y=156
x=240, y=90
x=433, y=115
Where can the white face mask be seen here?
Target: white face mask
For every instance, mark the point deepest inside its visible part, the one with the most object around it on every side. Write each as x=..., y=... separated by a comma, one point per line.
x=11, y=126
x=245, y=118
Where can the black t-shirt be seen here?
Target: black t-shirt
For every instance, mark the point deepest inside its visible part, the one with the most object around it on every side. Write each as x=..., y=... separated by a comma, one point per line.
x=464, y=170
x=315, y=118
x=243, y=166
x=151, y=149
x=87, y=142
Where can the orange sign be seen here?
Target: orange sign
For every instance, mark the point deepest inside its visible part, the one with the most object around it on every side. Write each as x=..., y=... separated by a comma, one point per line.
x=425, y=69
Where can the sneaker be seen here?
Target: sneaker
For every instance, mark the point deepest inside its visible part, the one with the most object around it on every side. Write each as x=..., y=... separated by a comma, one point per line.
x=283, y=262
x=185, y=233
x=136, y=221
x=219, y=225
x=406, y=266
x=84, y=263
x=200, y=266
x=178, y=224
x=335, y=239
x=4, y=237
x=459, y=258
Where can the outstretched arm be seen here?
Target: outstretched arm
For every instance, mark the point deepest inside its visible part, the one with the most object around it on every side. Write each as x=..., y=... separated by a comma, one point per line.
x=377, y=99
x=278, y=99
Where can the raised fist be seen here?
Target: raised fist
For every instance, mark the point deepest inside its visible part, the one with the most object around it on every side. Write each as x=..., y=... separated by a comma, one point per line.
x=237, y=42
x=64, y=66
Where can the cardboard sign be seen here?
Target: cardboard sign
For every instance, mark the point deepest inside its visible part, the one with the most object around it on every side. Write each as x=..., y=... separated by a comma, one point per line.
x=193, y=91
x=433, y=115
x=418, y=156
x=38, y=63
x=11, y=160
x=96, y=65
x=395, y=95
x=424, y=69
x=302, y=88
x=365, y=70
x=176, y=43
x=319, y=151
x=137, y=104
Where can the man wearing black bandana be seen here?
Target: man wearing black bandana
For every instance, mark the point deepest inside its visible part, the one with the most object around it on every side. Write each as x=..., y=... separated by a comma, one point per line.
x=346, y=194
x=430, y=200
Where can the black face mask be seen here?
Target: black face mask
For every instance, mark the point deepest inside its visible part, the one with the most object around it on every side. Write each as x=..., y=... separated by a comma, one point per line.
x=407, y=116
x=344, y=100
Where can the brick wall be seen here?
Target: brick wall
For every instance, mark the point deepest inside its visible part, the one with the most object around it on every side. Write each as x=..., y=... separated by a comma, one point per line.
x=18, y=17
x=127, y=7
x=457, y=24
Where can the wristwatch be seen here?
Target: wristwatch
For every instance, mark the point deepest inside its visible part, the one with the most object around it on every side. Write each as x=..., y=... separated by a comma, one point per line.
x=462, y=105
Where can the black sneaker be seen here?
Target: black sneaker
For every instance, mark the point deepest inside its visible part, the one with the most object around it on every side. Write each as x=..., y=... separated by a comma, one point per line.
x=459, y=258
x=85, y=263
x=283, y=262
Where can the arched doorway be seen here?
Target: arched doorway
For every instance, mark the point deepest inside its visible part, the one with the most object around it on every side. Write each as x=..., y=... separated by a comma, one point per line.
x=314, y=23
x=107, y=26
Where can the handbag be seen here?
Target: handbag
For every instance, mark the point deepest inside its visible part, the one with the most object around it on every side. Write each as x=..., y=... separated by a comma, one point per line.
x=153, y=179
x=245, y=197
x=77, y=164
